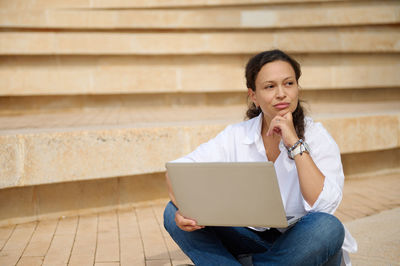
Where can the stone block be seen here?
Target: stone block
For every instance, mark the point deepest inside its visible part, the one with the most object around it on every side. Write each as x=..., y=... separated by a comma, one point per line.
x=65, y=198
x=142, y=188
x=344, y=76
x=228, y=18
x=349, y=71
x=364, y=133
x=80, y=110
x=77, y=155
x=15, y=17
x=353, y=41
x=201, y=134
x=11, y=160
x=94, y=43
x=138, y=74
x=398, y=128
x=62, y=155
x=58, y=4
x=383, y=39
x=27, y=43
x=30, y=203
x=24, y=4
x=356, y=102
x=182, y=3
x=307, y=41
x=321, y=15
x=17, y=204
x=371, y=164
x=219, y=74
x=202, y=73
x=70, y=19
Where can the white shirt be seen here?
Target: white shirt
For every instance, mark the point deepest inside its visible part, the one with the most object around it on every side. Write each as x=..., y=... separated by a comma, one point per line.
x=242, y=142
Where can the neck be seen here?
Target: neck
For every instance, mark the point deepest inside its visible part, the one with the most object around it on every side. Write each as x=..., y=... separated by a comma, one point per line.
x=266, y=121
x=274, y=138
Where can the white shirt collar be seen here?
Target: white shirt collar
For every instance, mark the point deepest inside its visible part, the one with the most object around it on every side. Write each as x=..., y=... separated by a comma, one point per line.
x=253, y=133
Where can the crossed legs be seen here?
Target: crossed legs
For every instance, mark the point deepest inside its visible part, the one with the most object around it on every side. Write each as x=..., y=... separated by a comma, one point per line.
x=314, y=240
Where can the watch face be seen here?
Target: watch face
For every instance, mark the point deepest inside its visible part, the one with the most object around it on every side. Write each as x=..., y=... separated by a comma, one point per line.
x=307, y=147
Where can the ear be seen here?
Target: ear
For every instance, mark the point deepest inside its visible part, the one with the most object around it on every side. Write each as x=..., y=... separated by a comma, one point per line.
x=252, y=96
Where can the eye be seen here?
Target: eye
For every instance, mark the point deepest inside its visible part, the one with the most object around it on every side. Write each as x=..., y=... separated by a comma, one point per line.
x=289, y=83
x=270, y=86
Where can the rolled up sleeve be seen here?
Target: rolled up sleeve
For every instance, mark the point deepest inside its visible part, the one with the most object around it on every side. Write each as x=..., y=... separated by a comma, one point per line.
x=326, y=155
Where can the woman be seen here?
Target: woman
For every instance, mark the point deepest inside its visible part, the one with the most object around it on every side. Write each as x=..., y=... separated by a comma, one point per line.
x=309, y=170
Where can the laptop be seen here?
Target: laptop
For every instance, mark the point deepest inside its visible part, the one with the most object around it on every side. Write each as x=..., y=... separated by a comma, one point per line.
x=229, y=193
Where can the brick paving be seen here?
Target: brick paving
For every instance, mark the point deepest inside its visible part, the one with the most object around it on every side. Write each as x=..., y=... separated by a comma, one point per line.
x=137, y=237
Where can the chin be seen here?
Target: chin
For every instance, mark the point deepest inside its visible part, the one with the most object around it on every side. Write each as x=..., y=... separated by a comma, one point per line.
x=283, y=112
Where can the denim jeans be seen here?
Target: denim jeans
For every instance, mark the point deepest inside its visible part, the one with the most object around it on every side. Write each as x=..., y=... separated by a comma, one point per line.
x=316, y=239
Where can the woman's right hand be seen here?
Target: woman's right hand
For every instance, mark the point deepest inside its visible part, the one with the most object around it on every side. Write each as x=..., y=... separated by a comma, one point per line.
x=186, y=224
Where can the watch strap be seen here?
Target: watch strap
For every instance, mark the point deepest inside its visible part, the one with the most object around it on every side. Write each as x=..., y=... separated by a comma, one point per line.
x=299, y=149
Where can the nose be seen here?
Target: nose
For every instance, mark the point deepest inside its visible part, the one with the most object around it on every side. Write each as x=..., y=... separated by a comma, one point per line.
x=280, y=93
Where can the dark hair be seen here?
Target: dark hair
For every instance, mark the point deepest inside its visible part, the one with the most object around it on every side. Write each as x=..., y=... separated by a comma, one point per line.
x=254, y=66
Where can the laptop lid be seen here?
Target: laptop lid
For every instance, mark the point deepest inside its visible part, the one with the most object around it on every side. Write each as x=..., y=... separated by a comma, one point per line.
x=228, y=194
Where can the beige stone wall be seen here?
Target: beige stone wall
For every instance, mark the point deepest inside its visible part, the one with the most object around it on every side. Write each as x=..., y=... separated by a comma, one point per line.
x=91, y=91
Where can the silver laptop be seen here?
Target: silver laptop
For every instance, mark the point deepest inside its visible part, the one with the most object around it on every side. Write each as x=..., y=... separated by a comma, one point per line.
x=229, y=194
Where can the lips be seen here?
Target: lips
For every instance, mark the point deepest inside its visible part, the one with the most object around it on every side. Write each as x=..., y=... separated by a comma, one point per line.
x=281, y=105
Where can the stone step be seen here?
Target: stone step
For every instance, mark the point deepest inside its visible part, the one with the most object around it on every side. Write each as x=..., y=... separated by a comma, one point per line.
x=23, y=4
x=362, y=101
x=73, y=75
x=51, y=148
x=383, y=39
x=144, y=116
x=315, y=102
x=239, y=17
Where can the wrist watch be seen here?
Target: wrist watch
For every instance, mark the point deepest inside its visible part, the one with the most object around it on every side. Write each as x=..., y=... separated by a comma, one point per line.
x=299, y=147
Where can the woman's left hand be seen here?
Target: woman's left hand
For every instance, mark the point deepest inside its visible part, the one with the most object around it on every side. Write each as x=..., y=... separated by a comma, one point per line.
x=283, y=126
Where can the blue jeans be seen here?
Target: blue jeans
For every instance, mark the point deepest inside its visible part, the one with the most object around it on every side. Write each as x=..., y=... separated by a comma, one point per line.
x=316, y=239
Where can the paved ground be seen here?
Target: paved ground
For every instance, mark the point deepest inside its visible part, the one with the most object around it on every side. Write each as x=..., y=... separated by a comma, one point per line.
x=378, y=239
x=370, y=209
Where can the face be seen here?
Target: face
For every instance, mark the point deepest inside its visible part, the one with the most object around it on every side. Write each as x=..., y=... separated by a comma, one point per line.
x=277, y=91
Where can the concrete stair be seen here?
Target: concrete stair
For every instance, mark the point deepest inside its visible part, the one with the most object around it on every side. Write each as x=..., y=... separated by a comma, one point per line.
x=165, y=4
x=373, y=40
x=69, y=146
x=247, y=16
x=95, y=96
x=133, y=74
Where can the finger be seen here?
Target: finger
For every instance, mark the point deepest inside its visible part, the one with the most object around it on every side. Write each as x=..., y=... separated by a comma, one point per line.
x=191, y=228
x=195, y=227
x=280, y=118
x=183, y=221
x=275, y=123
x=186, y=224
x=273, y=129
x=288, y=116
